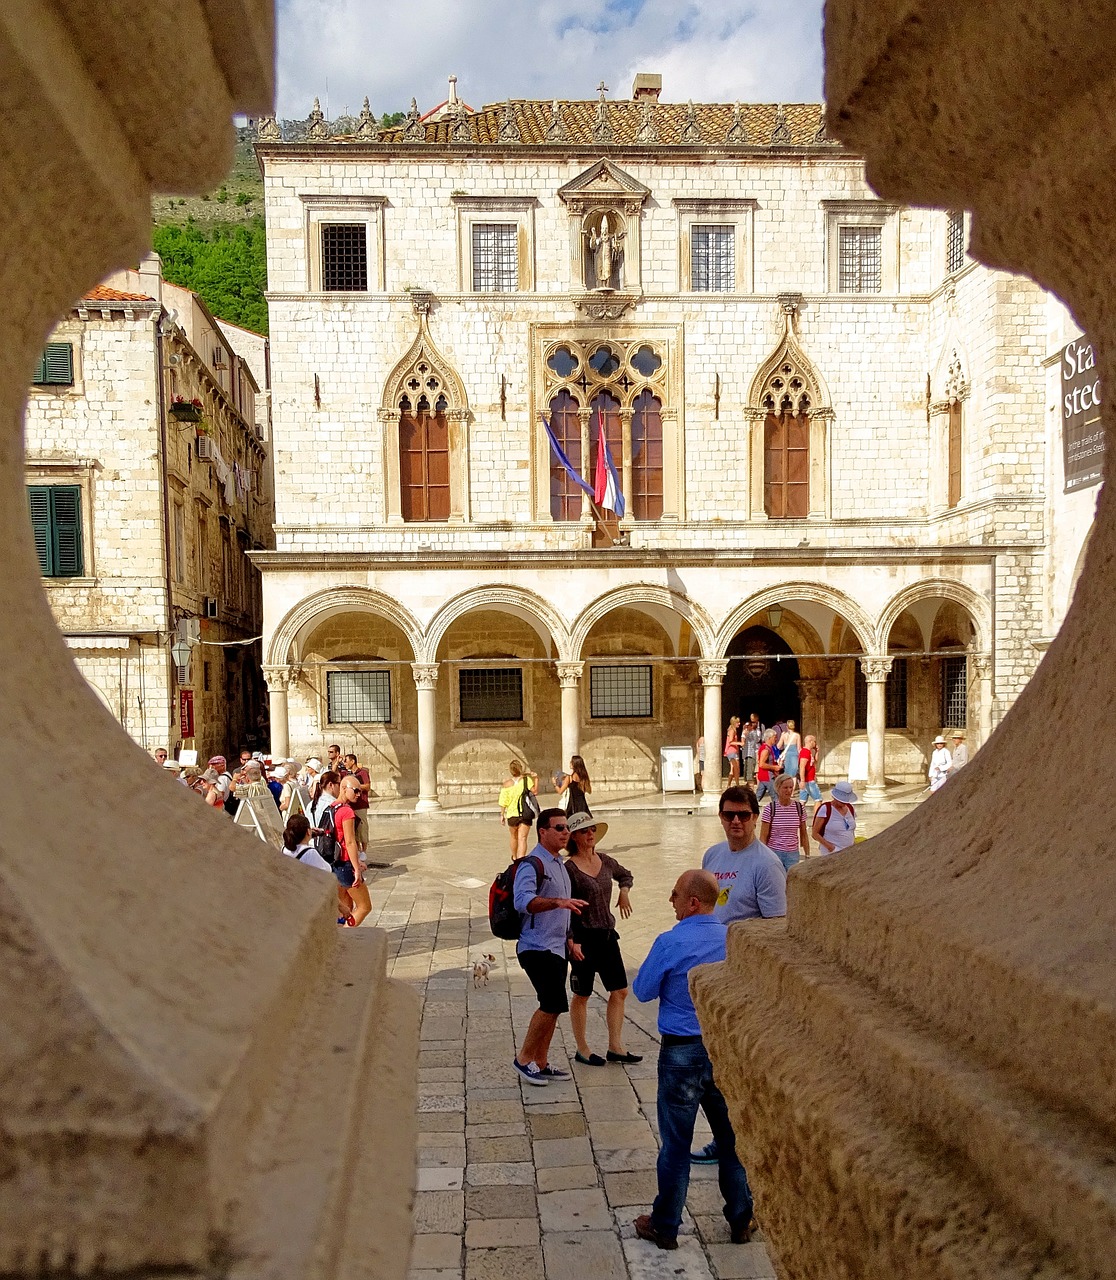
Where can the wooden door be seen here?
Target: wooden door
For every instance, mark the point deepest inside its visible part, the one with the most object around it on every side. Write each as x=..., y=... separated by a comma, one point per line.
x=954, y=453
x=647, y=457
x=565, y=496
x=786, y=488
x=424, y=466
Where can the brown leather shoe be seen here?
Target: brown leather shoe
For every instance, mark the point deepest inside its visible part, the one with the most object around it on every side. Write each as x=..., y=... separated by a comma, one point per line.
x=646, y=1230
x=741, y=1233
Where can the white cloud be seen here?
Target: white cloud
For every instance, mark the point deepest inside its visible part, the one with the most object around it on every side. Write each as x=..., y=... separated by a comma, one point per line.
x=707, y=50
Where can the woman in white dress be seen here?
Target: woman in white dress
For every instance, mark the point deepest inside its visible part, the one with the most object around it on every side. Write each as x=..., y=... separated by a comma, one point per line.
x=940, y=763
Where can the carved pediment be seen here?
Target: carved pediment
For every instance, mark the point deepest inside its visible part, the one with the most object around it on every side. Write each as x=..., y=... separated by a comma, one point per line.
x=604, y=183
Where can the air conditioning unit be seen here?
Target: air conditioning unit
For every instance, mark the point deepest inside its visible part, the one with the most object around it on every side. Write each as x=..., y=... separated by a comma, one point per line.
x=211, y=606
x=206, y=449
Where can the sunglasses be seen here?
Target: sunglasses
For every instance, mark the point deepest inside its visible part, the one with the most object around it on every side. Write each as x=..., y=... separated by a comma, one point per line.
x=563, y=827
x=738, y=815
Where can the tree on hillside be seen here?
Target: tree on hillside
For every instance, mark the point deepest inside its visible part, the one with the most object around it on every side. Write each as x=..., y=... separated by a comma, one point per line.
x=226, y=265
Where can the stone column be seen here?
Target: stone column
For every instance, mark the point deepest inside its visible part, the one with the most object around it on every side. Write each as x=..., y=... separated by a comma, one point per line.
x=586, y=452
x=875, y=673
x=982, y=667
x=712, y=672
x=426, y=682
x=812, y=691
x=626, y=468
x=569, y=677
x=278, y=679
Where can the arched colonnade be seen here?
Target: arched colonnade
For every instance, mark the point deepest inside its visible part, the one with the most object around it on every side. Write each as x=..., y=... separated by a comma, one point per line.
x=350, y=646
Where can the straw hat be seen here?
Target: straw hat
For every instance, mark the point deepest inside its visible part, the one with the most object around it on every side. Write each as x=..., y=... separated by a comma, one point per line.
x=580, y=821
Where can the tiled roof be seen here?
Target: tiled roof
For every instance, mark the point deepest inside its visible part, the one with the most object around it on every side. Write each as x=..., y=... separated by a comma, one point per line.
x=620, y=123
x=102, y=293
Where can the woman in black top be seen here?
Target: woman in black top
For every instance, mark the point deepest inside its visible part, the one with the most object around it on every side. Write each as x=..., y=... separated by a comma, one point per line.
x=577, y=786
x=595, y=945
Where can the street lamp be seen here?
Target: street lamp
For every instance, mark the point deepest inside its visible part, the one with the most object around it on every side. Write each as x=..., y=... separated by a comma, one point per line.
x=774, y=617
x=180, y=652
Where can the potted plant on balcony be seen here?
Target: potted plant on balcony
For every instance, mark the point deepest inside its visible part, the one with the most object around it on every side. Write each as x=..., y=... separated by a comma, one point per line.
x=186, y=410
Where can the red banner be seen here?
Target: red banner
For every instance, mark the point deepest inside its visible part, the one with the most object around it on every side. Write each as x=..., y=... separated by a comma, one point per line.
x=185, y=713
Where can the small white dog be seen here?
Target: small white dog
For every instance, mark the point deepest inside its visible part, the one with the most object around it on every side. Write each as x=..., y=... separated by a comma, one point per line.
x=481, y=969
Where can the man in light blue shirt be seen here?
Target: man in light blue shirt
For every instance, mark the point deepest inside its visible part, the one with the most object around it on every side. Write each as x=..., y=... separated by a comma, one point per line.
x=685, y=1072
x=751, y=881
x=542, y=898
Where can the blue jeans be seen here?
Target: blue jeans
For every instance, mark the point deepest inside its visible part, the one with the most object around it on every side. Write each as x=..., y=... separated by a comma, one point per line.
x=811, y=791
x=788, y=857
x=686, y=1083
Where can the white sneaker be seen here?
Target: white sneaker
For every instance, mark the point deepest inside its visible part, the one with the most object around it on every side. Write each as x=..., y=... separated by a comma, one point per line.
x=530, y=1072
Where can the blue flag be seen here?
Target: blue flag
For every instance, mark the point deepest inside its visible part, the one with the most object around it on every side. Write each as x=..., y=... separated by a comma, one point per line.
x=563, y=461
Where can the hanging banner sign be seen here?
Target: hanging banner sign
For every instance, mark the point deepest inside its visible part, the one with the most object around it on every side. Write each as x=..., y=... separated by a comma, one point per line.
x=185, y=713
x=1082, y=433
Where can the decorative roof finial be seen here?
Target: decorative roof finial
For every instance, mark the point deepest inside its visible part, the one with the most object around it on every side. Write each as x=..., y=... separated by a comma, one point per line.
x=413, y=128
x=602, y=89
x=556, y=130
x=267, y=129
x=461, y=127
x=366, y=122
x=509, y=129
x=781, y=134
x=738, y=130
x=691, y=130
x=822, y=137
x=452, y=102
x=648, y=131
x=316, y=126
x=602, y=128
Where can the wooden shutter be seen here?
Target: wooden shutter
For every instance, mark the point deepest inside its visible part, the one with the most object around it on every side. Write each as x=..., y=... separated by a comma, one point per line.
x=565, y=422
x=424, y=466
x=437, y=468
x=66, y=501
x=38, y=497
x=786, y=438
x=647, y=458
x=954, y=453
x=56, y=365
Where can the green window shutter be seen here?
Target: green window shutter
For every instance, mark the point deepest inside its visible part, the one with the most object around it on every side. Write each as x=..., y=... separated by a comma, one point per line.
x=38, y=498
x=56, y=365
x=66, y=502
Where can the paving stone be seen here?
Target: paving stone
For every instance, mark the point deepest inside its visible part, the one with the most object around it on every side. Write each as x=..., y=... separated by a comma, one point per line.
x=636, y=1188
x=441, y=1075
x=583, y=1255
x=491, y=1074
x=493, y=1110
x=610, y=1104
x=500, y=1202
x=510, y=1129
x=496, y=1233
x=440, y=1211
x=442, y=1028
x=533, y=1105
x=501, y=1175
x=561, y=1125
x=499, y=1150
x=442, y=1058
x=741, y=1262
x=648, y=1262
x=713, y=1228
x=582, y=1210
x=567, y=1177
x=439, y=1179
x=435, y=1249
x=441, y=1007
x=440, y=1158
x=627, y=1160
x=441, y=1122
x=617, y=1135
x=455, y=1044
x=440, y=1273
x=442, y=1102
x=510, y=1092
x=442, y=1138
x=553, y=1152
x=704, y=1198
x=504, y=1264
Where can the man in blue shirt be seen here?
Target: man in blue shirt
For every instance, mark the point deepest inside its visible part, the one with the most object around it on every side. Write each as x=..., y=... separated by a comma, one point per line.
x=542, y=897
x=685, y=1072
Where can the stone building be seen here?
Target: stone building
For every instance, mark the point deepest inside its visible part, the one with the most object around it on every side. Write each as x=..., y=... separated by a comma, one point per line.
x=828, y=422
x=149, y=482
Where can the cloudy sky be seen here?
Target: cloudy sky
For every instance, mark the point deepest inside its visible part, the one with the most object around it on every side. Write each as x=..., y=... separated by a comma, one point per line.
x=393, y=50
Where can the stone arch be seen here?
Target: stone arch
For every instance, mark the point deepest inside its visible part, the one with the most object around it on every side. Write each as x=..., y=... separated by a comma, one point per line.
x=938, y=588
x=633, y=597
x=788, y=362
x=951, y=379
x=842, y=605
x=422, y=362
x=547, y=623
x=323, y=604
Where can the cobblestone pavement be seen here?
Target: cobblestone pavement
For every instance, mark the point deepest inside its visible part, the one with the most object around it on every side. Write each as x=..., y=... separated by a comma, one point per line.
x=536, y=1183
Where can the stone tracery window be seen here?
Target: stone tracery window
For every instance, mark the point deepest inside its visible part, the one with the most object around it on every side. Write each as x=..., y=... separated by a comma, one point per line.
x=424, y=461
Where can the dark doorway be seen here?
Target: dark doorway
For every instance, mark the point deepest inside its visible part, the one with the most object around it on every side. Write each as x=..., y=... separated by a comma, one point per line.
x=761, y=685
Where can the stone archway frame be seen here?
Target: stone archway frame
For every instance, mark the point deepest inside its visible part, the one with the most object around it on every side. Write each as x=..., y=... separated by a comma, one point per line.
x=789, y=352
x=949, y=382
x=784, y=595
x=423, y=351
x=282, y=649
x=605, y=187
x=632, y=597
x=538, y=613
x=974, y=604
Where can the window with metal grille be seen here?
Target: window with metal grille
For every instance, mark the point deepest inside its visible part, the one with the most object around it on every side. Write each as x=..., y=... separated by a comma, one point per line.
x=895, y=694
x=56, y=522
x=620, y=693
x=955, y=692
x=488, y=694
x=859, y=259
x=56, y=366
x=344, y=256
x=713, y=259
x=955, y=242
x=358, y=697
x=495, y=257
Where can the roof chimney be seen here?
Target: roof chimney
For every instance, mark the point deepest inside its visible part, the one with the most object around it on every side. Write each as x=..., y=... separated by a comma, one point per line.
x=151, y=275
x=647, y=87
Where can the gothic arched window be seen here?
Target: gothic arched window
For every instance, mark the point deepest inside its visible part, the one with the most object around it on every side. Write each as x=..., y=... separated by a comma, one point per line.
x=565, y=422
x=786, y=447
x=647, y=457
x=424, y=462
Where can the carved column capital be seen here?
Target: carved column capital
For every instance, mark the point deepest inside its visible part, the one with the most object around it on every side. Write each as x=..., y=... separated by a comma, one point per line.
x=712, y=670
x=387, y=415
x=278, y=678
x=569, y=674
x=426, y=674
x=813, y=686
x=981, y=664
x=876, y=668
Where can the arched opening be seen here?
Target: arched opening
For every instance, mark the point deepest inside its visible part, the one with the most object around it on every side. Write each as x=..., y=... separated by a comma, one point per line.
x=565, y=422
x=424, y=459
x=647, y=457
x=762, y=677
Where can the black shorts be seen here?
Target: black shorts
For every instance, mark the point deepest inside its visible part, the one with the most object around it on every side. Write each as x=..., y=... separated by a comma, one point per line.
x=547, y=972
x=603, y=958
x=520, y=822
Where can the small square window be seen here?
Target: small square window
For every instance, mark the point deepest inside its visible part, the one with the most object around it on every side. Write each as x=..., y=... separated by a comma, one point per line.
x=859, y=259
x=620, y=693
x=358, y=697
x=490, y=694
x=495, y=257
x=713, y=259
x=344, y=257
x=56, y=365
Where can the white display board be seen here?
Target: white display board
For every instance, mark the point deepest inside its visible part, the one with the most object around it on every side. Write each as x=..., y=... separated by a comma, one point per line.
x=300, y=801
x=676, y=768
x=259, y=813
x=858, y=762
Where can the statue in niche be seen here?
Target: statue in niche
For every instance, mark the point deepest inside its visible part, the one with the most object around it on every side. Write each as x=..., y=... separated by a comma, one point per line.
x=605, y=247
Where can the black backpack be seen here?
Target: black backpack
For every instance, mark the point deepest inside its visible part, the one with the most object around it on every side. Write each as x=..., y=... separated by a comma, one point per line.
x=327, y=842
x=529, y=807
x=503, y=919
